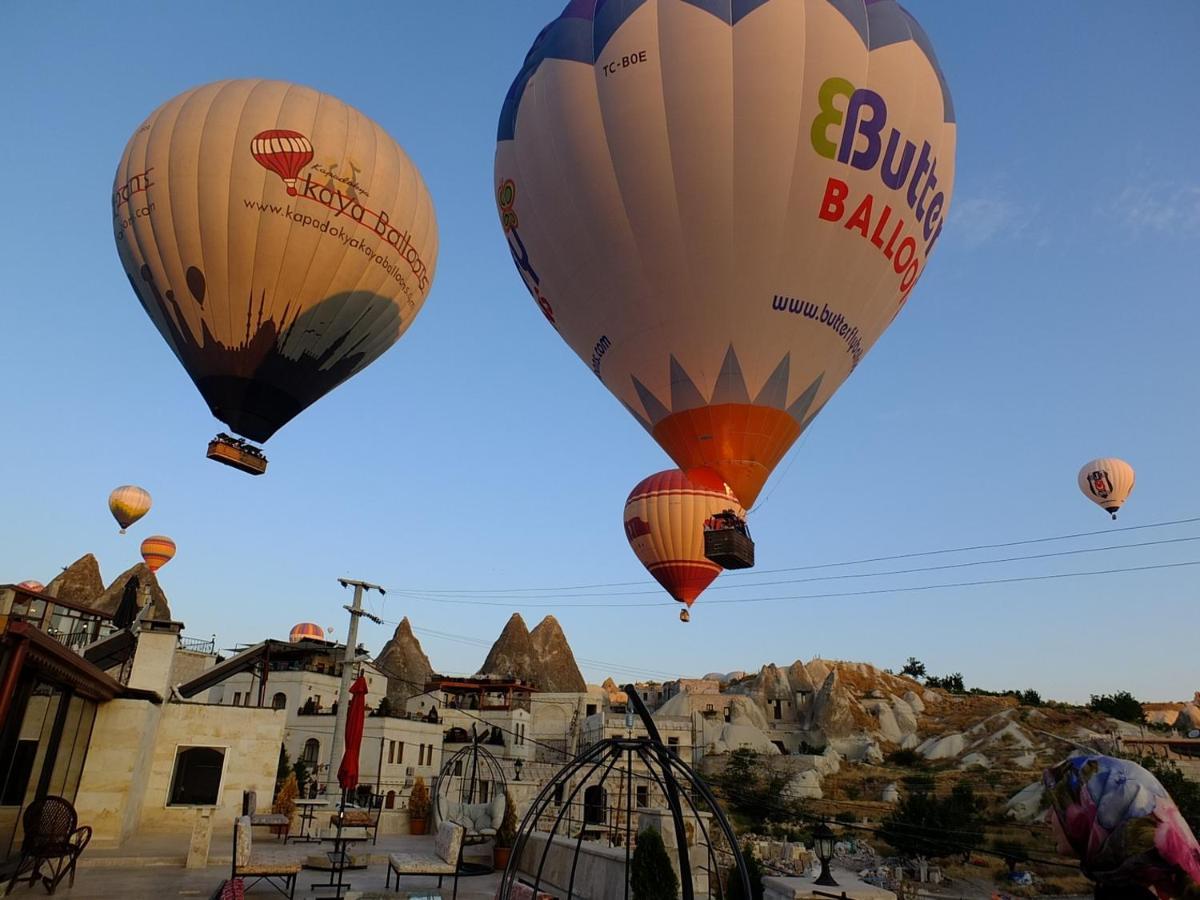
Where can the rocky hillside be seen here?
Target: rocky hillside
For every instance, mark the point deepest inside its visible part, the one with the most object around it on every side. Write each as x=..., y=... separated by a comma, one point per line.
x=405, y=664
x=543, y=657
x=81, y=582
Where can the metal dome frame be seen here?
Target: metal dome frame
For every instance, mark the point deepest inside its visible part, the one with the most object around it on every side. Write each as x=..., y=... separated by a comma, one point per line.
x=679, y=784
x=477, y=765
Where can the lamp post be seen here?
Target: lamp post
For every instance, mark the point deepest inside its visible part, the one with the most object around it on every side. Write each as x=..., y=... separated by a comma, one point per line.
x=823, y=845
x=517, y=764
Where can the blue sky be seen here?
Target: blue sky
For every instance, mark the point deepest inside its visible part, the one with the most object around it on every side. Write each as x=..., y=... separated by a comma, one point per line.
x=1056, y=322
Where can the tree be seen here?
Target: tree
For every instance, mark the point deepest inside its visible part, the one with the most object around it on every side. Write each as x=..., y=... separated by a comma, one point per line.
x=1121, y=705
x=284, y=768
x=1030, y=697
x=384, y=708
x=752, y=787
x=1184, y=791
x=952, y=683
x=300, y=770
x=925, y=825
x=913, y=667
x=506, y=834
x=285, y=800
x=755, y=872
x=651, y=875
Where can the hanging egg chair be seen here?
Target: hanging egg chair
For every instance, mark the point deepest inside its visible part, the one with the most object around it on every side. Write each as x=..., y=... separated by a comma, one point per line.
x=579, y=837
x=471, y=792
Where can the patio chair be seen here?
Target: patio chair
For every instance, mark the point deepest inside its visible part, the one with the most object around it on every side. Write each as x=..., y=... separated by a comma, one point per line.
x=279, y=823
x=51, y=840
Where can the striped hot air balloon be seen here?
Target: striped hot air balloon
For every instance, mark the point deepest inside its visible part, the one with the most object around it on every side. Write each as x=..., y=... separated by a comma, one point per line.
x=664, y=522
x=157, y=551
x=284, y=152
x=306, y=631
x=128, y=503
x=1107, y=482
x=32, y=586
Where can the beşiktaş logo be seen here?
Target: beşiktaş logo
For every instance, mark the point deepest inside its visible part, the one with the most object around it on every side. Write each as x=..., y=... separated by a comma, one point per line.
x=289, y=153
x=1099, y=484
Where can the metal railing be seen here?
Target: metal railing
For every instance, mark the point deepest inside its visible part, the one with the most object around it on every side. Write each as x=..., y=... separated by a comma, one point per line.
x=198, y=645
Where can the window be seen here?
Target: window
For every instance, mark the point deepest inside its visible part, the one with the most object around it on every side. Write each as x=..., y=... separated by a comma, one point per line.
x=196, y=780
x=727, y=714
x=672, y=742
x=237, y=698
x=593, y=805
x=391, y=752
x=591, y=709
x=458, y=767
x=558, y=793
x=400, y=752
x=312, y=750
x=390, y=801
x=643, y=796
x=484, y=791
x=279, y=701
x=708, y=707
x=778, y=710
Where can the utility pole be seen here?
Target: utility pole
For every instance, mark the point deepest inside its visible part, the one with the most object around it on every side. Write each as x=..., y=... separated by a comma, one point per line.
x=348, y=661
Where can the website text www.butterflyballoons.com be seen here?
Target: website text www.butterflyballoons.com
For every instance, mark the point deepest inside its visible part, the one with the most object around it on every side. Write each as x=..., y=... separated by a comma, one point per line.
x=826, y=316
x=326, y=227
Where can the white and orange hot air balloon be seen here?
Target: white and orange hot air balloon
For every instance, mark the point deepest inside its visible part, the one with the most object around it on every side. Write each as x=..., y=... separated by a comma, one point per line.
x=1107, y=482
x=157, y=551
x=128, y=503
x=306, y=631
x=721, y=205
x=32, y=586
x=665, y=517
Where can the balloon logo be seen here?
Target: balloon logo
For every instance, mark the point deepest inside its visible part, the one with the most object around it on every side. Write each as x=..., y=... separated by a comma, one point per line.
x=157, y=551
x=283, y=152
x=1107, y=482
x=128, y=503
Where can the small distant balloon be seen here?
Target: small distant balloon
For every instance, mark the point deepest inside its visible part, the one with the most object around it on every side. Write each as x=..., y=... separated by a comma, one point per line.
x=1107, y=482
x=32, y=586
x=128, y=503
x=157, y=551
x=329, y=629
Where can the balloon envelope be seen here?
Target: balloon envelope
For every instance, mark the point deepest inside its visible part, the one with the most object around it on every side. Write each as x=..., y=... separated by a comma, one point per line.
x=664, y=522
x=32, y=586
x=279, y=240
x=305, y=630
x=157, y=551
x=721, y=205
x=1107, y=482
x=128, y=503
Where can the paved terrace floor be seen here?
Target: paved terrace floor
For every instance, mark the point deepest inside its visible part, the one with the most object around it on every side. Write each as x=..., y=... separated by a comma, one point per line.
x=153, y=867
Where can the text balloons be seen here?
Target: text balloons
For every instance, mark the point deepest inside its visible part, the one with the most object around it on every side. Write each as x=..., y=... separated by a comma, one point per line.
x=279, y=240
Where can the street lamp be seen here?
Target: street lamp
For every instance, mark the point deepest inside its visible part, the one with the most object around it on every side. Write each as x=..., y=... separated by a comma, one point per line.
x=823, y=845
x=517, y=765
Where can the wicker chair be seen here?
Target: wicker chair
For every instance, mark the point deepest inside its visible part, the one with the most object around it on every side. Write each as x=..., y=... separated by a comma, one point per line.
x=51, y=840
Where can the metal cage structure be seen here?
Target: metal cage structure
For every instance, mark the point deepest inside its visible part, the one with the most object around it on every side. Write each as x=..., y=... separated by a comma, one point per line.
x=635, y=770
x=471, y=776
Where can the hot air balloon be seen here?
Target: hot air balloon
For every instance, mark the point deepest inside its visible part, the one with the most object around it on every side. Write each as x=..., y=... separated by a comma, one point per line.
x=1107, y=482
x=279, y=240
x=665, y=520
x=32, y=586
x=128, y=503
x=157, y=551
x=306, y=631
x=720, y=206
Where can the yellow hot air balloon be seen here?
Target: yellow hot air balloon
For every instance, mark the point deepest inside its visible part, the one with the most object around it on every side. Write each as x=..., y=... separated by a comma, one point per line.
x=279, y=240
x=157, y=551
x=1107, y=482
x=721, y=205
x=128, y=503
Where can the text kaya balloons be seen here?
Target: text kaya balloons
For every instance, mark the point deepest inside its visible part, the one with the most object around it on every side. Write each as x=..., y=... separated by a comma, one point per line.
x=1107, y=482
x=722, y=205
x=664, y=521
x=279, y=240
x=128, y=503
x=157, y=551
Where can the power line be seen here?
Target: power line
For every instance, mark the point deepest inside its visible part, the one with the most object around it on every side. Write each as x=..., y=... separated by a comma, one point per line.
x=854, y=562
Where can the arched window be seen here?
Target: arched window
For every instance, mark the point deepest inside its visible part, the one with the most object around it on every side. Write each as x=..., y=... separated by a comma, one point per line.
x=593, y=805
x=279, y=701
x=390, y=801
x=197, y=777
x=312, y=750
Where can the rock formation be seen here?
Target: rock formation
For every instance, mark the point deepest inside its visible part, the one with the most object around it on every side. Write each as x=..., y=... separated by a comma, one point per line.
x=512, y=656
x=558, y=672
x=405, y=664
x=80, y=582
x=110, y=599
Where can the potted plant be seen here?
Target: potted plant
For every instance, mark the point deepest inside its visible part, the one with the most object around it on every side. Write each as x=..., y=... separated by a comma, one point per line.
x=506, y=834
x=285, y=803
x=418, y=807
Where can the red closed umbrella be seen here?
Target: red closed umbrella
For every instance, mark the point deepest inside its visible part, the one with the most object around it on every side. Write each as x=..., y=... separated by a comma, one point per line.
x=348, y=770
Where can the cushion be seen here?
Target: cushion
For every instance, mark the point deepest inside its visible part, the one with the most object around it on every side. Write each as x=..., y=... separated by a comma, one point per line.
x=419, y=864
x=269, y=819
x=242, y=841
x=518, y=890
x=448, y=842
x=496, y=811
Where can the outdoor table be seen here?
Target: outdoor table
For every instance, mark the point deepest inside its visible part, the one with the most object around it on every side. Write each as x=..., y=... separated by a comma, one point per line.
x=308, y=815
x=339, y=858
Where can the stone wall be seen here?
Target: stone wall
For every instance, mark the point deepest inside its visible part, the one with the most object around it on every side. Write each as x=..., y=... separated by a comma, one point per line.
x=114, y=773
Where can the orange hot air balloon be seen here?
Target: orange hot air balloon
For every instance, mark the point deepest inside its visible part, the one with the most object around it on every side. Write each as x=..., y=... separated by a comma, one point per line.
x=128, y=503
x=665, y=517
x=306, y=631
x=32, y=586
x=157, y=551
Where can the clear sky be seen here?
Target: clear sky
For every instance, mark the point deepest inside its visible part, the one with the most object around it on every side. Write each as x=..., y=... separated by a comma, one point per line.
x=1056, y=322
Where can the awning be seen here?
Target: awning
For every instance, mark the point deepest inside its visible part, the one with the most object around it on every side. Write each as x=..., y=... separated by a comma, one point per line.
x=56, y=663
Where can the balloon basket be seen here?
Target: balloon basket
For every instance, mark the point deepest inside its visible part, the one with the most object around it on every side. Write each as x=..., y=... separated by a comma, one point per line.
x=237, y=453
x=729, y=548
